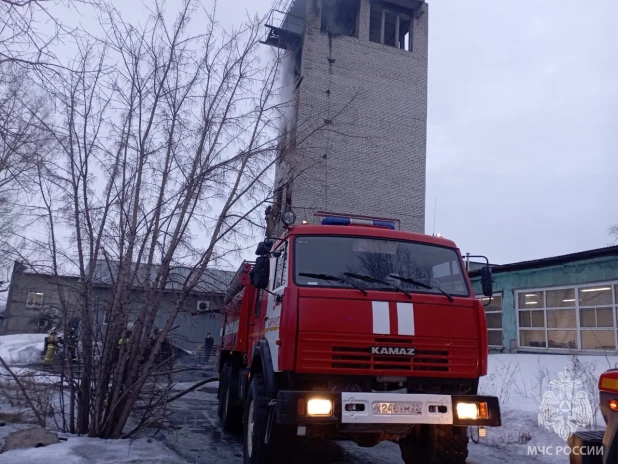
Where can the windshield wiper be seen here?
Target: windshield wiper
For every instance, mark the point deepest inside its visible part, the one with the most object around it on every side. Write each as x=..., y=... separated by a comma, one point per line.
x=331, y=278
x=423, y=285
x=380, y=281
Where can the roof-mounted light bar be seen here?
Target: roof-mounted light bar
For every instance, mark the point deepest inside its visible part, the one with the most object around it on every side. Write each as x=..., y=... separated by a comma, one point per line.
x=346, y=221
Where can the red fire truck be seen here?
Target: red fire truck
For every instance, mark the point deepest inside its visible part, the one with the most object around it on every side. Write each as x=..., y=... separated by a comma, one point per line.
x=352, y=329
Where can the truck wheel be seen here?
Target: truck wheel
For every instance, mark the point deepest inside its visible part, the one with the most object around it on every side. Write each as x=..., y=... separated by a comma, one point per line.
x=435, y=444
x=255, y=424
x=229, y=411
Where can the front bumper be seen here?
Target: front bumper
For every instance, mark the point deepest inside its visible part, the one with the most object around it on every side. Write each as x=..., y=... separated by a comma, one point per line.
x=362, y=408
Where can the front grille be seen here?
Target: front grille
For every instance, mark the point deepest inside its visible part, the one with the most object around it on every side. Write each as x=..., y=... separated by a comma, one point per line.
x=357, y=358
x=423, y=360
x=351, y=354
x=431, y=361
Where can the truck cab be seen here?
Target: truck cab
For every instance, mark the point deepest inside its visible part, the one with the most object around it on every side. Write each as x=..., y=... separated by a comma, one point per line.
x=354, y=330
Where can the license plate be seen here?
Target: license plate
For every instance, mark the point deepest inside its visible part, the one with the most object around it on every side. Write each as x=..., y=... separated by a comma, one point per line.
x=399, y=408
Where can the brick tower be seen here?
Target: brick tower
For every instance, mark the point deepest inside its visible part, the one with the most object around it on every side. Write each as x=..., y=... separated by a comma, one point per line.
x=354, y=136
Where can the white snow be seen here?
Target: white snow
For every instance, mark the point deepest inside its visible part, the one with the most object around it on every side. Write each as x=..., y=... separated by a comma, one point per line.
x=82, y=450
x=32, y=375
x=22, y=348
x=519, y=381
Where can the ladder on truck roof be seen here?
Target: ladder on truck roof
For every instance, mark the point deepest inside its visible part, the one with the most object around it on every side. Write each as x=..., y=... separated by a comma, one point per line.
x=236, y=285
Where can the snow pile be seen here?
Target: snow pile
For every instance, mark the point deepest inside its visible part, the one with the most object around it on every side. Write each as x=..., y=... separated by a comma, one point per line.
x=519, y=381
x=22, y=348
x=32, y=376
x=82, y=450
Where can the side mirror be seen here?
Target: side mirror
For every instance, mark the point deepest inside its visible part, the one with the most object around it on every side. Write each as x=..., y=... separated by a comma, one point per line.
x=260, y=272
x=264, y=247
x=487, y=281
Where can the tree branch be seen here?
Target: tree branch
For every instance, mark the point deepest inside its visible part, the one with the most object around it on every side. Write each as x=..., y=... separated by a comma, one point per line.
x=39, y=418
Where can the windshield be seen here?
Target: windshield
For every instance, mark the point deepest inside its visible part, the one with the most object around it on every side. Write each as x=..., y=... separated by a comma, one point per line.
x=378, y=258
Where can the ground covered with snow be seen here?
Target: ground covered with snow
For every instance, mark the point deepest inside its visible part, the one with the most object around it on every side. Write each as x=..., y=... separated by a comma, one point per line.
x=22, y=348
x=82, y=450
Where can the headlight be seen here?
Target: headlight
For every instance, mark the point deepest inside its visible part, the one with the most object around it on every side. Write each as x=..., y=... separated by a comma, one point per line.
x=472, y=411
x=319, y=407
x=467, y=411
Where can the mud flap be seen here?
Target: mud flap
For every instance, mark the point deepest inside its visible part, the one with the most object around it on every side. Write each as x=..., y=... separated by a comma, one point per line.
x=271, y=421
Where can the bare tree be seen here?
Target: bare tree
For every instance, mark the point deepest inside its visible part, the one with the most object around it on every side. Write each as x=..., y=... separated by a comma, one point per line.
x=30, y=32
x=613, y=231
x=164, y=160
x=24, y=145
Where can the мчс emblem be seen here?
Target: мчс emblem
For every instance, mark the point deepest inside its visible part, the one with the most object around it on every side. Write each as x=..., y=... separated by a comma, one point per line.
x=392, y=351
x=567, y=409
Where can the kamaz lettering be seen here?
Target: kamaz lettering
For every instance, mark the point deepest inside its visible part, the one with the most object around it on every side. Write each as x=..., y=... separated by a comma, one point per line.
x=393, y=351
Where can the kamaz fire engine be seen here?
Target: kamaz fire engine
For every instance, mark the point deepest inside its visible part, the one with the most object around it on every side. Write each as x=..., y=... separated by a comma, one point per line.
x=352, y=329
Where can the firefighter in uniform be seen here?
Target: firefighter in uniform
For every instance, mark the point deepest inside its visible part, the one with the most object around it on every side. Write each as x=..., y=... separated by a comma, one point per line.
x=123, y=340
x=72, y=344
x=52, y=345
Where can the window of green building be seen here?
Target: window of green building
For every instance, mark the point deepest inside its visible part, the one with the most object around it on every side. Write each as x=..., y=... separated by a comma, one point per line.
x=493, y=314
x=570, y=318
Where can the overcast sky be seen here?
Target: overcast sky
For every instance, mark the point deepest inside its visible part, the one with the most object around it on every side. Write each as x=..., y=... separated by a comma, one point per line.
x=523, y=118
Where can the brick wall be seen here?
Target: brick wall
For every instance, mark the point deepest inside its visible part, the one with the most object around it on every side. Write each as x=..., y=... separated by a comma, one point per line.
x=361, y=128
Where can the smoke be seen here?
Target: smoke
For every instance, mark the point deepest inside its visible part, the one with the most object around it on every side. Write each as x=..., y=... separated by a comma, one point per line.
x=288, y=93
x=340, y=16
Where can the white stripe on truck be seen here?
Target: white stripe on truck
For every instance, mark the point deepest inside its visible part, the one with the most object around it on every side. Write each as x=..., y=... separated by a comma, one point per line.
x=405, y=318
x=381, y=320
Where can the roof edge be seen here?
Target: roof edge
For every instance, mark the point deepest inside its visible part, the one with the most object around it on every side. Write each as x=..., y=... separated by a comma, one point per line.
x=553, y=261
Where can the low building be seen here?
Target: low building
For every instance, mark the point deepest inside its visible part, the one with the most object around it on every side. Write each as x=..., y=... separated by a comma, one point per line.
x=562, y=304
x=36, y=302
x=200, y=312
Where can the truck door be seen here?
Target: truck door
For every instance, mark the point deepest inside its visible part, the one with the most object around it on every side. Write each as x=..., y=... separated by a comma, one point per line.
x=277, y=284
x=266, y=317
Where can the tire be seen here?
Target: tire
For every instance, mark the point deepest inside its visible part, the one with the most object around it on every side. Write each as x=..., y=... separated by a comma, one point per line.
x=255, y=423
x=229, y=410
x=435, y=444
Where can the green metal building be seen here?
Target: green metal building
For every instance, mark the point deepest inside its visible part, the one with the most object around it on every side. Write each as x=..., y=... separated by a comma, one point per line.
x=561, y=304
